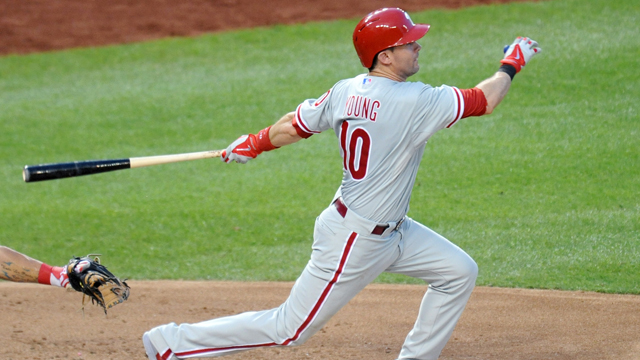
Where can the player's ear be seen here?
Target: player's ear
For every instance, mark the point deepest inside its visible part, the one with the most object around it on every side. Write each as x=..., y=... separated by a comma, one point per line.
x=384, y=56
x=377, y=58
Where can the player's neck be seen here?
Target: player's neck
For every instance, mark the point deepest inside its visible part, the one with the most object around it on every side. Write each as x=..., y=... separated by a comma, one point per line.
x=383, y=72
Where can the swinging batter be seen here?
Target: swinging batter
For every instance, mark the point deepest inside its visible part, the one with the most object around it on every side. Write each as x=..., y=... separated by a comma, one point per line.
x=382, y=123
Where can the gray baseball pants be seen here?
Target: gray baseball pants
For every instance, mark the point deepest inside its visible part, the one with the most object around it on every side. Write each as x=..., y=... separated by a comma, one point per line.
x=345, y=258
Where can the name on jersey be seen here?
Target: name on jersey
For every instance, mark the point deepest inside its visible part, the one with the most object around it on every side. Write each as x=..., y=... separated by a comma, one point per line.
x=361, y=107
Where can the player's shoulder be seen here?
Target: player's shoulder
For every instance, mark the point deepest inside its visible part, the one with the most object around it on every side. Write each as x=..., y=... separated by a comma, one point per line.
x=443, y=95
x=441, y=90
x=358, y=79
x=415, y=85
x=409, y=90
x=424, y=86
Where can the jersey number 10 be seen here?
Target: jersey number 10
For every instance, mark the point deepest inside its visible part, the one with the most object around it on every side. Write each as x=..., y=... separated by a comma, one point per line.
x=355, y=146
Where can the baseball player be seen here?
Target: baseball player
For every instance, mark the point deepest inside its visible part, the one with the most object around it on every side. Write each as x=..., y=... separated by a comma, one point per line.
x=382, y=124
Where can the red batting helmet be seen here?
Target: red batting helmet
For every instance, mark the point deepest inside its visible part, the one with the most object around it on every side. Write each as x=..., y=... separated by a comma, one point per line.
x=382, y=29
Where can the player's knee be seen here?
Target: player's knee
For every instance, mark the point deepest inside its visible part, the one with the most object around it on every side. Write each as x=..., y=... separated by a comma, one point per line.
x=468, y=270
x=299, y=340
x=473, y=270
x=291, y=330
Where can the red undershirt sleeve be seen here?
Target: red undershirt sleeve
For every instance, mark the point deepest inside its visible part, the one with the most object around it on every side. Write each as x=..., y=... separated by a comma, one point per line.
x=475, y=103
x=300, y=129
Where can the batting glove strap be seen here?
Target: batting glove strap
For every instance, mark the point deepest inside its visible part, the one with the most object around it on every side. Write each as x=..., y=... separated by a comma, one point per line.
x=520, y=52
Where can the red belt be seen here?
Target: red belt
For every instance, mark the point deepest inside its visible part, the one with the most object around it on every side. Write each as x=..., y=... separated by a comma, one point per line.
x=342, y=210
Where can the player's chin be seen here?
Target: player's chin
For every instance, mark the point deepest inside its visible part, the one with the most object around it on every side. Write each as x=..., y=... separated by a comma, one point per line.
x=415, y=70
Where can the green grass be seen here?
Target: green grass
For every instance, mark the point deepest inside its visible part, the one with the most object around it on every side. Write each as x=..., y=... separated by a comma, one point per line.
x=543, y=193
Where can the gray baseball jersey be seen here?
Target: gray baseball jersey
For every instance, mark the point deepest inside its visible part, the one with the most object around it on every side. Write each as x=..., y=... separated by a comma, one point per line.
x=383, y=126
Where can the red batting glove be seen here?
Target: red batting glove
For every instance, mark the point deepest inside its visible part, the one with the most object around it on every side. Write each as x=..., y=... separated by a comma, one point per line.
x=520, y=52
x=248, y=147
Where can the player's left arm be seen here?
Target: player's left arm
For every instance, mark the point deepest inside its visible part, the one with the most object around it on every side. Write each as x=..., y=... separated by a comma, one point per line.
x=284, y=131
x=248, y=147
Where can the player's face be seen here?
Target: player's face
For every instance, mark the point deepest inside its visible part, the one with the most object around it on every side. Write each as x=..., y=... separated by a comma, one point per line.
x=406, y=59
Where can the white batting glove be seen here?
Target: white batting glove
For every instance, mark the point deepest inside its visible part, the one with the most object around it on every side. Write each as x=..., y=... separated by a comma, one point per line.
x=520, y=52
x=240, y=151
x=248, y=147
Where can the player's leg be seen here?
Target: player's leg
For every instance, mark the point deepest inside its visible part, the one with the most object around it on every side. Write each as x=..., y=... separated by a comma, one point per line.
x=342, y=263
x=15, y=266
x=451, y=275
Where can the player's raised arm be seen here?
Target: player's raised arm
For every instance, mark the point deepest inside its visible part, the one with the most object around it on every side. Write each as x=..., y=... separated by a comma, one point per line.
x=516, y=56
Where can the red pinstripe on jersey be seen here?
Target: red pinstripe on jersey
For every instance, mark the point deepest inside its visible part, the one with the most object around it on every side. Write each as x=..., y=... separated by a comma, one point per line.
x=459, y=106
x=346, y=252
x=470, y=102
x=322, y=98
x=301, y=127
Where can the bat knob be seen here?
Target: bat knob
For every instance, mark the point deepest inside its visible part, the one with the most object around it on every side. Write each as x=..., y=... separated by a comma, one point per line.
x=26, y=174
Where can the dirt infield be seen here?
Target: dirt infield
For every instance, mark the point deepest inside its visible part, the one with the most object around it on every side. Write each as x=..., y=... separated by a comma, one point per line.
x=42, y=322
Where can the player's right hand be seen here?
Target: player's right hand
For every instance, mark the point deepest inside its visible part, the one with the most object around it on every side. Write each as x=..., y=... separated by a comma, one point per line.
x=520, y=52
x=241, y=150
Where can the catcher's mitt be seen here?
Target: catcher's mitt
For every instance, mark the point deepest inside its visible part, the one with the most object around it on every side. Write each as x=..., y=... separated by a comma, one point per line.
x=91, y=278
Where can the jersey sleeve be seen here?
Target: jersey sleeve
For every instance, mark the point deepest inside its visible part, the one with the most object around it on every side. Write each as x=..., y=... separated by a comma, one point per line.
x=313, y=116
x=441, y=107
x=438, y=108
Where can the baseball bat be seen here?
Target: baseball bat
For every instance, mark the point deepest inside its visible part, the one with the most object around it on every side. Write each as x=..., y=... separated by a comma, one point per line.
x=32, y=173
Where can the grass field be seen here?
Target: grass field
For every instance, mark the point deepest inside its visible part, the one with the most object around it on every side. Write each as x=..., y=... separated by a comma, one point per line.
x=543, y=193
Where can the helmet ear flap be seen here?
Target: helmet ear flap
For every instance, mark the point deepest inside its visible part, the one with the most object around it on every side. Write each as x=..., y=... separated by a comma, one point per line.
x=382, y=29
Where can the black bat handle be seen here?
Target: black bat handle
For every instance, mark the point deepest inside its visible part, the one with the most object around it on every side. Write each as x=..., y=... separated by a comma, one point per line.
x=32, y=173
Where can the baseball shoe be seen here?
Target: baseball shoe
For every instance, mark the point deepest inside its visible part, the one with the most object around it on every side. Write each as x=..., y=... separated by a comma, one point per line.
x=154, y=354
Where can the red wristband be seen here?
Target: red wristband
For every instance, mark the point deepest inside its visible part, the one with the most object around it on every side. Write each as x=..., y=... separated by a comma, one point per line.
x=263, y=143
x=44, y=276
